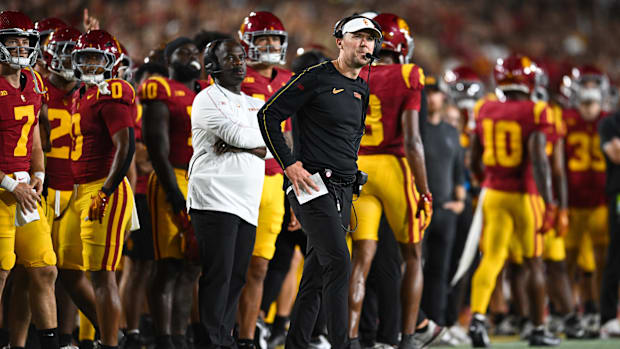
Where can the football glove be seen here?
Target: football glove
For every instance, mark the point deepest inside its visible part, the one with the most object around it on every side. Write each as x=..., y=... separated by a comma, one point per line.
x=97, y=207
x=425, y=204
x=562, y=223
x=549, y=217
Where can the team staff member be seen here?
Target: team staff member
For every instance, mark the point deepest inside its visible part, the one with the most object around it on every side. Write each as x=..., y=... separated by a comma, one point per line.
x=22, y=173
x=226, y=176
x=330, y=100
x=265, y=40
x=167, y=133
x=609, y=130
x=102, y=149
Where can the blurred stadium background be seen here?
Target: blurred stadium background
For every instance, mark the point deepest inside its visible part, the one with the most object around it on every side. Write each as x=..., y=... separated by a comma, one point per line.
x=446, y=32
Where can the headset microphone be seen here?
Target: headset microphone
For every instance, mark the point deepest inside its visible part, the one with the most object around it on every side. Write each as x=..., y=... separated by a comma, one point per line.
x=371, y=57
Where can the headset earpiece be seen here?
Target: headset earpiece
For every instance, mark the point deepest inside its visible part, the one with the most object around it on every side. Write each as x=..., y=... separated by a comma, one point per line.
x=210, y=60
x=339, y=35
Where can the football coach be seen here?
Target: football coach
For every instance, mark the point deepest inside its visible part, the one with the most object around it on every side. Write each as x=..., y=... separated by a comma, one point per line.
x=329, y=101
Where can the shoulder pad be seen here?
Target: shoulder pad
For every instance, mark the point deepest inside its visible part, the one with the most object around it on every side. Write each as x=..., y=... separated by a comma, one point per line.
x=155, y=88
x=413, y=76
x=117, y=90
x=542, y=113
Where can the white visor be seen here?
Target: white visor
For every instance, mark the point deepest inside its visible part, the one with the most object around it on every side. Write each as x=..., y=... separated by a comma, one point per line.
x=360, y=23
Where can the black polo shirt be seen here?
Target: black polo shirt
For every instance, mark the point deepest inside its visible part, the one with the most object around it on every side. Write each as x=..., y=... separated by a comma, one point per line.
x=609, y=128
x=330, y=113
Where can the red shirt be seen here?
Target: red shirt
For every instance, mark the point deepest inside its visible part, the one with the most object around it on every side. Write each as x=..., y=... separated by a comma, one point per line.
x=96, y=118
x=585, y=164
x=19, y=115
x=178, y=98
x=261, y=87
x=503, y=129
x=59, y=116
x=394, y=88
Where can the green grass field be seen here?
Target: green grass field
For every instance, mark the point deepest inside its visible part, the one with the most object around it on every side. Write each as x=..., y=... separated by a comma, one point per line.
x=513, y=343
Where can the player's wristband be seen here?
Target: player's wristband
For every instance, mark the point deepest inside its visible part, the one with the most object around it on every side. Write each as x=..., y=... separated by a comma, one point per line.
x=8, y=183
x=40, y=175
x=107, y=191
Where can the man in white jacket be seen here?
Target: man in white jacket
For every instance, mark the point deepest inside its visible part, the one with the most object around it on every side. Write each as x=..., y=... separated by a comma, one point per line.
x=226, y=176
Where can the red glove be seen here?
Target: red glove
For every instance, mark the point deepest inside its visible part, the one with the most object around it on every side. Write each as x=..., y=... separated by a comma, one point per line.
x=425, y=204
x=189, y=244
x=181, y=219
x=97, y=207
x=551, y=211
x=562, y=223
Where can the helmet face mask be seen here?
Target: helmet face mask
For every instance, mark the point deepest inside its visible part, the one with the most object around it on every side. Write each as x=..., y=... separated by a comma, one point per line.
x=91, y=65
x=261, y=49
x=266, y=53
x=11, y=52
x=257, y=26
x=61, y=58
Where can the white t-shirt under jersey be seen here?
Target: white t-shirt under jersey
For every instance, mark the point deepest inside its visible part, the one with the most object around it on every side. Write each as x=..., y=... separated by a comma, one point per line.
x=232, y=182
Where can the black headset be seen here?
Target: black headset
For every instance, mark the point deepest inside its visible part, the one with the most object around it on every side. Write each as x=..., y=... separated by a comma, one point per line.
x=210, y=60
x=338, y=32
x=212, y=66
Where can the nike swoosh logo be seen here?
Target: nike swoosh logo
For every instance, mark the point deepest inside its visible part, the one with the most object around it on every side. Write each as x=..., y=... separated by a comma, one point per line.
x=336, y=91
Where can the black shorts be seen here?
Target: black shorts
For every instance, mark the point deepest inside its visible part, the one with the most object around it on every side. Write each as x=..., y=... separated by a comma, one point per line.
x=139, y=245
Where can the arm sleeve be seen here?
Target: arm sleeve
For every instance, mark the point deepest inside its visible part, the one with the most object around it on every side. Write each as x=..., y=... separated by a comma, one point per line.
x=284, y=103
x=206, y=114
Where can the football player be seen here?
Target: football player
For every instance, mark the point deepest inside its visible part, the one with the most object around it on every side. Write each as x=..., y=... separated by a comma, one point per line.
x=45, y=27
x=509, y=132
x=585, y=166
x=22, y=173
x=102, y=149
x=139, y=246
x=167, y=104
x=392, y=154
x=265, y=40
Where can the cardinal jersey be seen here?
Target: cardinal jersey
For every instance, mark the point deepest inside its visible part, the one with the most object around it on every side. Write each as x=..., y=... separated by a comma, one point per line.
x=178, y=98
x=261, y=87
x=96, y=117
x=383, y=134
x=59, y=116
x=19, y=110
x=503, y=129
x=585, y=163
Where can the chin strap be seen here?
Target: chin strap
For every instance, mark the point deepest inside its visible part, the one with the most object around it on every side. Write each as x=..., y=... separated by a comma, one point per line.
x=37, y=89
x=104, y=88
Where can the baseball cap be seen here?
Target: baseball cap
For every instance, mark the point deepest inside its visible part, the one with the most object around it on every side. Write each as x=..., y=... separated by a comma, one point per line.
x=360, y=23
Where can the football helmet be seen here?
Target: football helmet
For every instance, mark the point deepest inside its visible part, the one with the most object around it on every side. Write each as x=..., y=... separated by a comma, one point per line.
x=57, y=53
x=45, y=27
x=48, y=25
x=515, y=73
x=95, y=56
x=587, y=82
x=396, y=36
x=258, y=24
x=13, y=23
x=463, y=86
x=123, y=64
